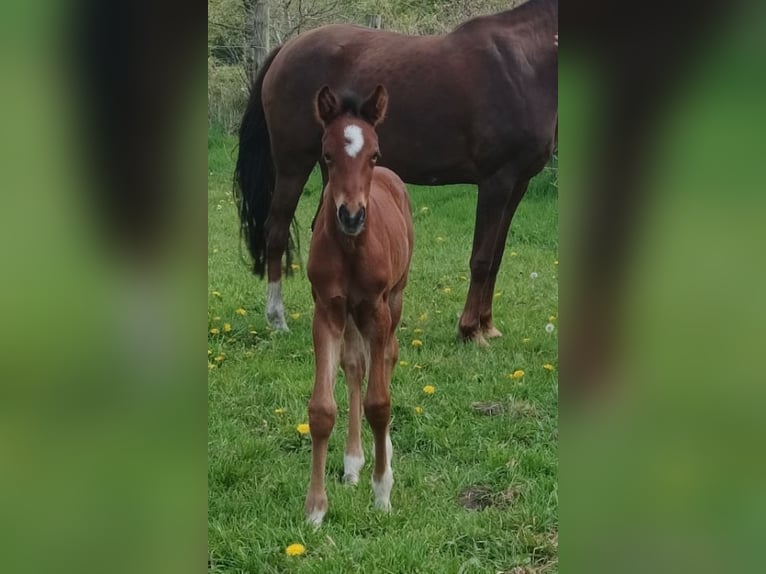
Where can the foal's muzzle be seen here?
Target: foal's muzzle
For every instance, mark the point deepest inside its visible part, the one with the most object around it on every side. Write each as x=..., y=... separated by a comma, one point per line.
x=351, y=224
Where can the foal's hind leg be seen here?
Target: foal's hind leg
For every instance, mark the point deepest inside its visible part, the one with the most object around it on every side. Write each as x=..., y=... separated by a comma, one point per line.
x=354, y=364
x=284, y=201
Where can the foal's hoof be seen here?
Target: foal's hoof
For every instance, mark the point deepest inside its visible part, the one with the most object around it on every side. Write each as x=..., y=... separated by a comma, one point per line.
x=315, y=510
x=352, y=465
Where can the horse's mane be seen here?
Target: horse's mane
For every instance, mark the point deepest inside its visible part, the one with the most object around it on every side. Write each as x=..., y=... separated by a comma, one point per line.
x=350, y=104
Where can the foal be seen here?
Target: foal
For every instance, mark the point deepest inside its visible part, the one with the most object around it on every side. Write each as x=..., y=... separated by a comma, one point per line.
x=358, y=264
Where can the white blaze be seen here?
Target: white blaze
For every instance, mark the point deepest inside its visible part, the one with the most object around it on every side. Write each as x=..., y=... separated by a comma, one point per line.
x=354, y=139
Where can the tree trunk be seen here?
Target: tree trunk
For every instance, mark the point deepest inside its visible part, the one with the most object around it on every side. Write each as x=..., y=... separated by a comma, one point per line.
x=256, y=36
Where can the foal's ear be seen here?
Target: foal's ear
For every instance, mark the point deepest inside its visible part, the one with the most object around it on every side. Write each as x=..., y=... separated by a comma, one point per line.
x=327, y=105
x=374, y=108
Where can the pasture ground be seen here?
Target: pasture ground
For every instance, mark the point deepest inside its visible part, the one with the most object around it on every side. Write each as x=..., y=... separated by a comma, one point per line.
x=475, y=490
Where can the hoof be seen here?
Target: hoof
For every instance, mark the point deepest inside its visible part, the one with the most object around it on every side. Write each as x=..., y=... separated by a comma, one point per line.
x=316, y=508
x=491, y=332
x=351, y=467
x=277, y=322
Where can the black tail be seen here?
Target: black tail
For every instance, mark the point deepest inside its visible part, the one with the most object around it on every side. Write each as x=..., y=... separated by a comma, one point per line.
x=254, y=175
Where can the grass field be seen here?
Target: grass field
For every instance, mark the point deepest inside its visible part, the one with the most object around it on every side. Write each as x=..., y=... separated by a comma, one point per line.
x=474, y=491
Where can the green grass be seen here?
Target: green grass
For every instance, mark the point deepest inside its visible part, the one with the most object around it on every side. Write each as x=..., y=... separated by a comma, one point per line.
x=258, y=465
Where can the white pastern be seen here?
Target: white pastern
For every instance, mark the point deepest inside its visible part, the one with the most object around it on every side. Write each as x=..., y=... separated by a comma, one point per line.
x=354, y=139
x=275, y=310
x=352, y=465
x=315, y=518
x=382, y=488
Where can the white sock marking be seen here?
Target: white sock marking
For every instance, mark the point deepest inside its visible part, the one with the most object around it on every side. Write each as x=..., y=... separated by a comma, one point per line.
x=352, y=464
x=275, y=310
x=315, y=518
x=382, y=489
x=354, y=139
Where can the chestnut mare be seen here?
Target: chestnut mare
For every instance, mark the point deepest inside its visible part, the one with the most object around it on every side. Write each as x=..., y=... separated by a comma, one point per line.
x=478, y=105
x=358, y=264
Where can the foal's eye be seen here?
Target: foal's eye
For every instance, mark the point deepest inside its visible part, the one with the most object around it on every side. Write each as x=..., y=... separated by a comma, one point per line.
x=327, y=158
x=375, y=157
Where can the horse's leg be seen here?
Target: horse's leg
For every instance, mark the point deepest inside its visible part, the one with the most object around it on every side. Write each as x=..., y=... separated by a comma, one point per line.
x=495, y=197
x=377, y=402
x=284, y=201
x=354, y=366
x=328, y=326
x=488, y=329
x=395, y=305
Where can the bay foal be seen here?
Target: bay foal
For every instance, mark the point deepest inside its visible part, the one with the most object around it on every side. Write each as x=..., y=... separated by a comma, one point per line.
x=358, y=264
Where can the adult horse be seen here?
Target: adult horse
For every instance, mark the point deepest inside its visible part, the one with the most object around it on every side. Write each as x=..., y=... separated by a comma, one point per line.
x=477, y=105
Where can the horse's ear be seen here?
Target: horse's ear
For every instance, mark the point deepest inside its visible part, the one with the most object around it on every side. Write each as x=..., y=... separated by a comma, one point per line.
x=327, y=105
x=374, y=107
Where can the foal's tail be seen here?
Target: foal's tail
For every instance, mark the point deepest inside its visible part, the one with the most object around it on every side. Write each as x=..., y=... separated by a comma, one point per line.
x=254, y=176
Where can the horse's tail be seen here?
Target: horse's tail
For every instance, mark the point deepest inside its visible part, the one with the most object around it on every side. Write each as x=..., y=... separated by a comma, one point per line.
x=254, y=175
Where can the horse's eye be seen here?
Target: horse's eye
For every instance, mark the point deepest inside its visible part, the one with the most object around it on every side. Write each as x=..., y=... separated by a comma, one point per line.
x=375, y=157
x=327, y=158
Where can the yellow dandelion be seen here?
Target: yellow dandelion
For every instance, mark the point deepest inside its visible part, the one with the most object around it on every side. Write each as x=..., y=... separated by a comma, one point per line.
x=419, y=410
x=439, y=239
x=216, y=318
x=295, y=316
x=556, y=262
x=497, y=294
x=215, y=331
x=424, y=209
x=429, y=389
x=295, y=267
x=210, y=366
x=423, y=317
x=517, y=374
x=303, y=428
x=549, y=367
x=209, y=352
x=226, y=327
x=513, y=254
x=253, y=332
x=447, y=290
x=219, y=358
x=417, y=331
x=463, y=278
x=216, y=294
x=403, y=363
x=295, y=550
x=215, y=250
x=241, y=312
x=552, y=318
x=279, y=411
x=417, y=343
x=526, y=340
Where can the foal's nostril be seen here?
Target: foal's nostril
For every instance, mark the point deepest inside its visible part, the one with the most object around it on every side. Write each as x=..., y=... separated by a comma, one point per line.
x=351, y=222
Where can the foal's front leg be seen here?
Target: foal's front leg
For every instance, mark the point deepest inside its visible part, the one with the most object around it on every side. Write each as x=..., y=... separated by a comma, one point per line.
x=377, y=403
x=329, y=321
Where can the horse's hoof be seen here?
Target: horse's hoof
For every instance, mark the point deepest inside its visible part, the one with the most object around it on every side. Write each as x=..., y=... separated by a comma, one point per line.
x=491, y=332
x=352, y=465
x=277, y=322
x=472, y=336
x=316, y=508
